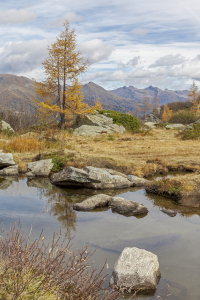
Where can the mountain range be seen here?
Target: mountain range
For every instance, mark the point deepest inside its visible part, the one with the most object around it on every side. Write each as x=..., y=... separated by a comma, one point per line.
x=17, y=93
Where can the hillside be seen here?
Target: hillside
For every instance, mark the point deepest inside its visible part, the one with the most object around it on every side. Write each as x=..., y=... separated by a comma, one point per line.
x=16, y=92
x=165, y=96
x=109, y=100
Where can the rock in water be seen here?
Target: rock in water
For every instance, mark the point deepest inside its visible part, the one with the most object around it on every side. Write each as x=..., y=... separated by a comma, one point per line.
x=127, y=207
x=118, y=204
x=137, y=181
x=10, y=171
x=136, y=269
x=89, y=177
x=40, y=168
x=6, y=160
x=93, y=202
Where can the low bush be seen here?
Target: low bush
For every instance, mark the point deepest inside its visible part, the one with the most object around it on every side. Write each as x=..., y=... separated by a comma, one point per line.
x=184, y=117
x=23, y=144
x=191, y=134
x=35, y=270
x=129, y=122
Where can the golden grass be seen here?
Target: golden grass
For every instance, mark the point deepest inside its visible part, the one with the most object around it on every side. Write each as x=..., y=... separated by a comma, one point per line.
x=162, y=147
x=23, y=144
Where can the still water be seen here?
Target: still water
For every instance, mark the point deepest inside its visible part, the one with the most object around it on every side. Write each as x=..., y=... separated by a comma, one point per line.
x=175, y=240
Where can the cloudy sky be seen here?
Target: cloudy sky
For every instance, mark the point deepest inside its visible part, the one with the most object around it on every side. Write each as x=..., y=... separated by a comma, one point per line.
x=129, y=42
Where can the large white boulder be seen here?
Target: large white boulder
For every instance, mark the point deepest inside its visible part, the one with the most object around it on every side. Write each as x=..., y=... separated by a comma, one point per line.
x=136, y=269
x=89, y=177
x=40, y=168
x=6, y=160
x=10, y=171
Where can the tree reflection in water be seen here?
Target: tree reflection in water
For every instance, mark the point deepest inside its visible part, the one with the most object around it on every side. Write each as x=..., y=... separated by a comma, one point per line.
x=60, y=208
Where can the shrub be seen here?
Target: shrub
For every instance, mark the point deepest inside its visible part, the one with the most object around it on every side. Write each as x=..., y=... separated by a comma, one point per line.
x=184, y=117
x=33, y=270
x=23, y=144
x=129, y=122
x=191, y=134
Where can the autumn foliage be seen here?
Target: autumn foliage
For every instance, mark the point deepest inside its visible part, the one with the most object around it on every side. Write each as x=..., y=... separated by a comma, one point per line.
x=23, y=144
x=166, y=114
x=60, y=93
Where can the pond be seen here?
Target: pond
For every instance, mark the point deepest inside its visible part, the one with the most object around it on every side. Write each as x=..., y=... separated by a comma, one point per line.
x=175, y=240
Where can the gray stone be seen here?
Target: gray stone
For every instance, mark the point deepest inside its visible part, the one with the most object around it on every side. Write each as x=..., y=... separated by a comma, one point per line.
x=169, y=212
x=117, y=204
x=127, y=207
x=136, y=269
x=188, y=127
x=150, y=124
x=10, y=171
x=89, y=177
x=5, y=126
x=93, y=202
x=175, y=126
x=91, y=125
x=41, y=168
x=86, y=130
x=137, y=181
x=153, y=119
x=93, y=120
x=6, y=160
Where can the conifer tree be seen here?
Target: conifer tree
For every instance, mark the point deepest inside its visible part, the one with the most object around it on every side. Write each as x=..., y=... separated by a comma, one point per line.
x=60, y=92
x=166, y=113
x=194, y=97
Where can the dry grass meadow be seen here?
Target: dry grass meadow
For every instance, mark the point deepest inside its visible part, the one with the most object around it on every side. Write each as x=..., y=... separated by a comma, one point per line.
x=139, y=154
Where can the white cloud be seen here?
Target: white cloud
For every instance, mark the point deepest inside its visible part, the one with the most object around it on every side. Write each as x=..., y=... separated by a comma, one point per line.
x=131, y=63
x=23, y=56
x=168, y=60
x=96, y=50
x=140, y=31
x=69, y=16
x=14, y=16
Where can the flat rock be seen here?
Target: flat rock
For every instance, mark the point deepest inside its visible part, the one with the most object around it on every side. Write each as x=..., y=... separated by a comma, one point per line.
x=6, y=160
x=117, y=204
x=93, y=120
x=175, y=126
x=169, y=212
x=127, y=207
x=89, y=177
x=10, y=171
x=136, y=269
x=86, y=130
x=150, y=124
x=93, y=202
x=137, y=181
x=41, y=168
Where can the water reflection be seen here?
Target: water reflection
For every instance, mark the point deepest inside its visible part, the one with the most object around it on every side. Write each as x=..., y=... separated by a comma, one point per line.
x=174, y=240
x=60, y=208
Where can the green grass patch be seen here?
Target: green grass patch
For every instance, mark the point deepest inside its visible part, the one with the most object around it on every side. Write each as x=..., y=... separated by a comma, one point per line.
x=131, y=123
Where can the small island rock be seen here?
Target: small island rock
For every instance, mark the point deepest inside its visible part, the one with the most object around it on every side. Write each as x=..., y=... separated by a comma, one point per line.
x=136, y=269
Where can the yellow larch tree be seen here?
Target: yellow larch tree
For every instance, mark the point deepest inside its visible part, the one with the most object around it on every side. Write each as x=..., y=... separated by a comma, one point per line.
x=194, y=97
x=60, y=92
x=166, y=113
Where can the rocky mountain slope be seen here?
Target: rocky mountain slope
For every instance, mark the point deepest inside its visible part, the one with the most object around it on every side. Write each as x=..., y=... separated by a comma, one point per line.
x=165, y=96
x=17, y=93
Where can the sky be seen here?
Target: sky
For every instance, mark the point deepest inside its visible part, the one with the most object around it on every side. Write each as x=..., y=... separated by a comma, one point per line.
x=129, y=42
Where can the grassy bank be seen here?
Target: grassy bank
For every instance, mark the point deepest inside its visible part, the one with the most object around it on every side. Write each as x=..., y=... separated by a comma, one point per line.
x=141, y=154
